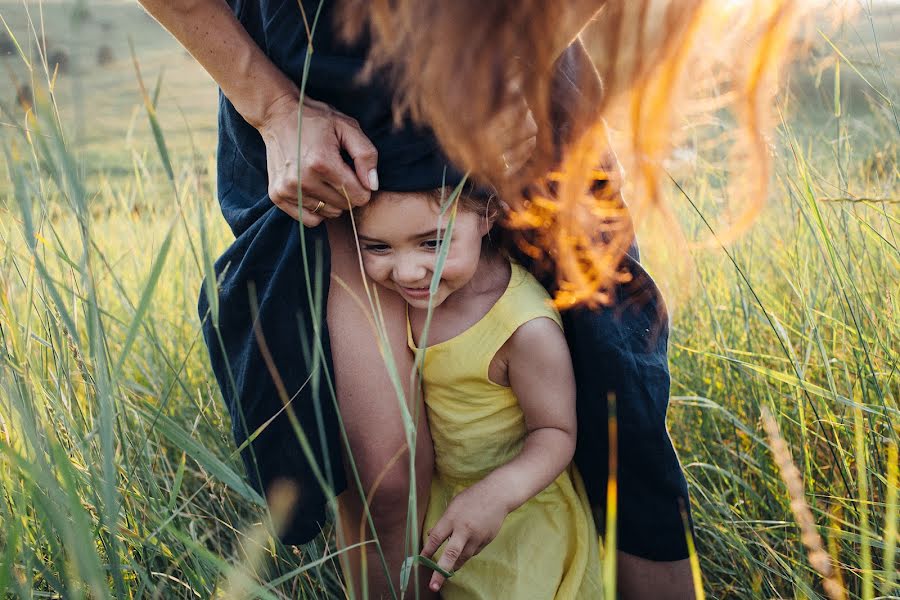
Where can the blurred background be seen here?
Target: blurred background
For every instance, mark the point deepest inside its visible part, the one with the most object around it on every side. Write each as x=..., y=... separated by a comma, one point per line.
x=118, y=475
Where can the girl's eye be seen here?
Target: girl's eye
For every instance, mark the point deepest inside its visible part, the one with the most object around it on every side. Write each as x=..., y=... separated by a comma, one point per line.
x=376, y=248
x=432, y=244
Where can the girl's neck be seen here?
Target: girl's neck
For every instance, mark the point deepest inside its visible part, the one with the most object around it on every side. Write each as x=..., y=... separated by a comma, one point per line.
x=493, y=272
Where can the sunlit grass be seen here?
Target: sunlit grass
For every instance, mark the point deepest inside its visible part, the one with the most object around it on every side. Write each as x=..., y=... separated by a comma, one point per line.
x=118, y=475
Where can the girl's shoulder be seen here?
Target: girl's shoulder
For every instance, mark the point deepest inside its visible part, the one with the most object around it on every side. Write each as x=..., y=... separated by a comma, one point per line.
x=525, y=299
x=529, y=328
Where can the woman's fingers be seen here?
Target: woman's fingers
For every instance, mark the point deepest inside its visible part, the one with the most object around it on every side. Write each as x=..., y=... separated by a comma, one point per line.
x=319, y=168
x=361, y=151
x=335, y=202
x=517, y=126
x=515, y=158
x=326, y=166
x=320, y=208
x=284, y=195
x=310, y=219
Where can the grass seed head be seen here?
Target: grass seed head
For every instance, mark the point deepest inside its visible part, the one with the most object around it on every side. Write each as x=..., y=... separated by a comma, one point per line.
x=818, y=557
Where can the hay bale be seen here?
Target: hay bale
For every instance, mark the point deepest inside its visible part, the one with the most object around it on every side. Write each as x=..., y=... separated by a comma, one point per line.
x=24, y=96
x=7, y=46
x=81, y=13
x=105, y=55
x=58, y=60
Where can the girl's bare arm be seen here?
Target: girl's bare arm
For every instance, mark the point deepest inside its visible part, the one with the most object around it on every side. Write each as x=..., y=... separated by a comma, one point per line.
x=540, y=374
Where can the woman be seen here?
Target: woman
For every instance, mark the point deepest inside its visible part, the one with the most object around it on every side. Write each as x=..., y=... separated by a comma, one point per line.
x=273, y=342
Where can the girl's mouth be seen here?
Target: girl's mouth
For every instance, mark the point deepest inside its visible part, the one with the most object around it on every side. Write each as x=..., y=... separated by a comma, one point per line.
x=416, y=293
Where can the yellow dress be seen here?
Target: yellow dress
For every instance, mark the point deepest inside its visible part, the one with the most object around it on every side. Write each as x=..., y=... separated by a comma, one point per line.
x=548, y=547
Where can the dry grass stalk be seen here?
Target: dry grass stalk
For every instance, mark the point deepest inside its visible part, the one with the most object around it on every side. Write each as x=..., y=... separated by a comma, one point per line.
x=809, y=535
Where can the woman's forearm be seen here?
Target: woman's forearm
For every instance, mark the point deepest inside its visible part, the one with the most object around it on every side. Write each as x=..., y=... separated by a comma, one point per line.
x=211, y=33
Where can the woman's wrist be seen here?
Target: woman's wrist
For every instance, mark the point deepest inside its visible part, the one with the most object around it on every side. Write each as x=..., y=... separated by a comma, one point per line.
x=270, y=111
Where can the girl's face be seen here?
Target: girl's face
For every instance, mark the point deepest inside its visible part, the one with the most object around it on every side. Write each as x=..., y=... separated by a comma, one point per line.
x=398, y=235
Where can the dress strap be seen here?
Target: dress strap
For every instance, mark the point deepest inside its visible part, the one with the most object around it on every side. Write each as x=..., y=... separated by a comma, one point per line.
x=409, y=335
x=525, y=300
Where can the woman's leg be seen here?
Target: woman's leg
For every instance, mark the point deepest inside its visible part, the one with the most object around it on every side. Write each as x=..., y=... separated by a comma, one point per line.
x=371, y=414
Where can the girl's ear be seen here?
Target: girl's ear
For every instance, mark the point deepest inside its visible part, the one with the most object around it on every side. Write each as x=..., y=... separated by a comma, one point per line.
x=490, y=216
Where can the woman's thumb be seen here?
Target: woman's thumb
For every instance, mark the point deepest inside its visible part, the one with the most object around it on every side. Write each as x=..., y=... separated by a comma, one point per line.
x=362, y=151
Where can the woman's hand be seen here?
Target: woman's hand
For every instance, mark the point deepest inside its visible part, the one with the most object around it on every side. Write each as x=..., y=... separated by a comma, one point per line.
x=269, y=101
x=328, y=184
x=515, y=125
x=470, y=522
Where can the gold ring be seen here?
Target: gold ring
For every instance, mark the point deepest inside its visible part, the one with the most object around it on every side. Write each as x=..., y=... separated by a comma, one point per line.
x=318, y=207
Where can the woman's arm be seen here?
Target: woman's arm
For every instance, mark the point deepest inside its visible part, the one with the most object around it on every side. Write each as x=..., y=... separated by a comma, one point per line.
x=211, y=33
x=541, y=376
x=269, y=101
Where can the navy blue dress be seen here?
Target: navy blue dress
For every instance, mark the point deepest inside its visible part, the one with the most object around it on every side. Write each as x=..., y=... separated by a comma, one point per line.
x=268, y=342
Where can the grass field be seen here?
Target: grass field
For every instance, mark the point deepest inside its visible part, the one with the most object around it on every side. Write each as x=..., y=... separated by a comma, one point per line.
x=118, y=476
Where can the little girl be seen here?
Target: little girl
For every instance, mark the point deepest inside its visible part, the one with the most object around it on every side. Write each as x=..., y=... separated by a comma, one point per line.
x=507, y=505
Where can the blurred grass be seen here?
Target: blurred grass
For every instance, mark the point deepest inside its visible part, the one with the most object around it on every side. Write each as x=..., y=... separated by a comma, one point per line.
x=118, y=476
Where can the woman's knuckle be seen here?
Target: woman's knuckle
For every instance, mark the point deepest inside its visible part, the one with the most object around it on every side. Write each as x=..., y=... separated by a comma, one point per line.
x=319, y=163
x=370, y=154
x=282, y=190
x=311, y=220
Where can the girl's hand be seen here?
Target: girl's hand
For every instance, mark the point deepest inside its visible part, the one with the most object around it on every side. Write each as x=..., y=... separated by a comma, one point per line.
x=324, y=175
x=471, y=521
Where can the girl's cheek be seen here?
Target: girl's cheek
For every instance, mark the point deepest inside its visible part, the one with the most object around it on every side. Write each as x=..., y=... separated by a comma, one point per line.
x=379, y=269
x=374, y=268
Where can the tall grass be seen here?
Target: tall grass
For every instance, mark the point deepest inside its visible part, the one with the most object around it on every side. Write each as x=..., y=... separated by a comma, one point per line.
x=118, y=476
x=799, y=318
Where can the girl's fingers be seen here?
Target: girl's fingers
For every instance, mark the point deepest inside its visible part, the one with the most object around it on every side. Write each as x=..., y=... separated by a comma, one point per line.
x=453, y=551
x=472, y=548
x=436, y=537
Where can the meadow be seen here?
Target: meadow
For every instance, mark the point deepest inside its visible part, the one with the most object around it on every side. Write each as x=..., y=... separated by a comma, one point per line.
x=118, y=474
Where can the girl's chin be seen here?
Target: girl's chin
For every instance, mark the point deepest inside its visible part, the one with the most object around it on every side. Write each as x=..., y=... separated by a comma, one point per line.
x=421, y=299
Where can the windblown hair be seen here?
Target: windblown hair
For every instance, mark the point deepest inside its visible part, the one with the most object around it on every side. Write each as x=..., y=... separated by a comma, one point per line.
x=457, y=65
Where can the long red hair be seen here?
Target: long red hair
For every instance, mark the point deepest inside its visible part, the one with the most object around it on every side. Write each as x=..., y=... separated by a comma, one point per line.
x=457, y=65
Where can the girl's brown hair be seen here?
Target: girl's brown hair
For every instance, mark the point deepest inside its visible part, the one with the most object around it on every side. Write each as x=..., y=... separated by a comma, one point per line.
x=458, y=65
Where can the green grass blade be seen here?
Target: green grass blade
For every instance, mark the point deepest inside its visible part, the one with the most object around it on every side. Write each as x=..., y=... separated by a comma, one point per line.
x=206, y=459
x=890, y=523
x=146, y=297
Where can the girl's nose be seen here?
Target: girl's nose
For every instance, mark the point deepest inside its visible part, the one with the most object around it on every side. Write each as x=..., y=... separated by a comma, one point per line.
x=408, y=271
